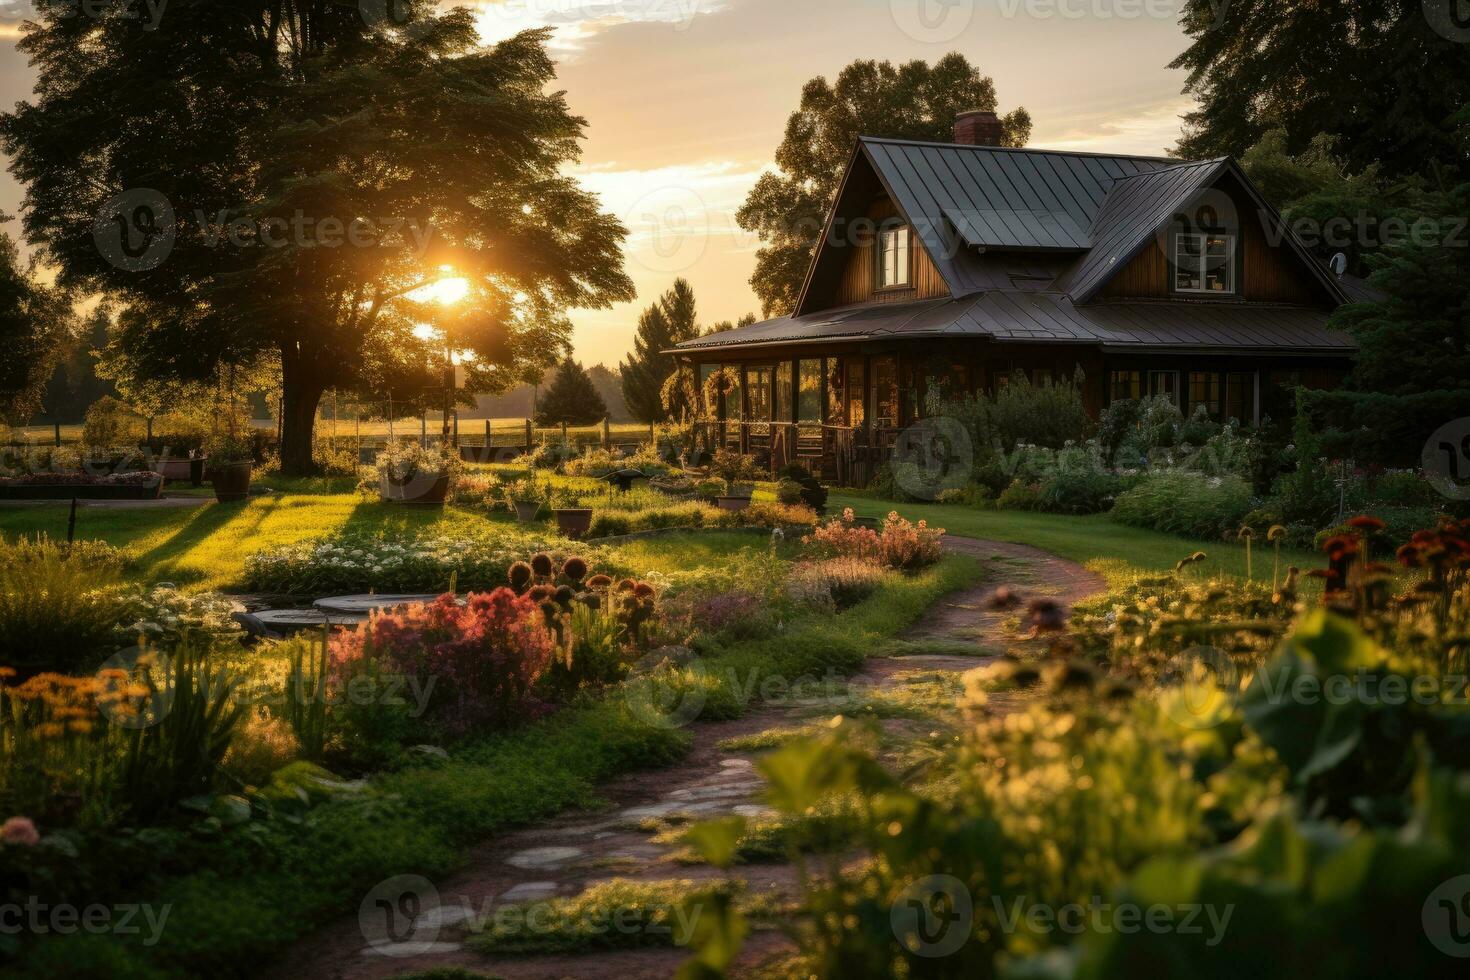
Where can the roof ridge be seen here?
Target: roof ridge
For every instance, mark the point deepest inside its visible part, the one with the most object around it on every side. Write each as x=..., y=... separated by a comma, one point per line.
x=1014, y=149
x=1213, y=162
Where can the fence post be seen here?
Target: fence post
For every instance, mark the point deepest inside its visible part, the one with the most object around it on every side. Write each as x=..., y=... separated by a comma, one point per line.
x=58, y=434
x=563, y=432
x=488, y=441
x=606, y=435
x=456, y=428
x=652, y=437
x=530, y=436
x=424, y=431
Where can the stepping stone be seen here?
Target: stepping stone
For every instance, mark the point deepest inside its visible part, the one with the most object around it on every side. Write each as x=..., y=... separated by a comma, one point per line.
x=530, y=891
x=701, y=793
x=397, y=950
x=751, y=810
x=544, y=857
x=443, y=916
x=288, y=622
x=361, y=605
x=737, y=764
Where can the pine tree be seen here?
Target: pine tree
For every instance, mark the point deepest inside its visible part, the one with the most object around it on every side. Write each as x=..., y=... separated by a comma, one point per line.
x=572, y=398
x=669, y=321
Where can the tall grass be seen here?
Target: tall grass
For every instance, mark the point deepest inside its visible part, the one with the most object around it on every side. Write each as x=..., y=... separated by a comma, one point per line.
x=58, y=604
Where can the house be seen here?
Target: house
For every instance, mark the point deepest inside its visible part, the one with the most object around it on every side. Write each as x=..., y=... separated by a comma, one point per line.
x=947, y=268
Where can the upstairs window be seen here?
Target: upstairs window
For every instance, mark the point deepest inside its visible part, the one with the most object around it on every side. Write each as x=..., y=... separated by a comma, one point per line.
x=894, y=250
x=1204, y=263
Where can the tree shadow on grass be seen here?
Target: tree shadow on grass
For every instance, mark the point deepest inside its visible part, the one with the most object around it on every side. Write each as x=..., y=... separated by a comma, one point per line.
x=163, y=561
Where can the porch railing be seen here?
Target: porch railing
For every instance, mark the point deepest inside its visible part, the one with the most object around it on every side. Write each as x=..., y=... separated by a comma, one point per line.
x=849, y=455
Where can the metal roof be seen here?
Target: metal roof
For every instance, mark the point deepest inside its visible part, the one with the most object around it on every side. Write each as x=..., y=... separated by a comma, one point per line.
x=927, y=179
x=1016, y=316
x=1025, y=230
x=1135, y=209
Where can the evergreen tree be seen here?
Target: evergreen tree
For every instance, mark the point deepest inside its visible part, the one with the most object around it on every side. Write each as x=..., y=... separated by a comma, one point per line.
x=915, y=101
x=572, y=398
x=669, y=321
x=1376, y=74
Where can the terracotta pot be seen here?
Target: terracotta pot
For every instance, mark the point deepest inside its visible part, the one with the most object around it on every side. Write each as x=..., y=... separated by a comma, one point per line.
x=231, y=481
x=526, y=510
x=415, y=491
x=574, y=522
x=733, y=503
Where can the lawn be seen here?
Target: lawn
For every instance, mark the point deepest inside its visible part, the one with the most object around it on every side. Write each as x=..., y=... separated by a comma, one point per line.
x=1116, y=551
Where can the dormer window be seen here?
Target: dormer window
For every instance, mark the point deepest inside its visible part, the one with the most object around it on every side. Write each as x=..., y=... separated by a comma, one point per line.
x=894, y=258
x=1204, y=264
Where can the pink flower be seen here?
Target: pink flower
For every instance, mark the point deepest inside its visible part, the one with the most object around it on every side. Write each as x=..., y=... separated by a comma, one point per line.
x=20, y=830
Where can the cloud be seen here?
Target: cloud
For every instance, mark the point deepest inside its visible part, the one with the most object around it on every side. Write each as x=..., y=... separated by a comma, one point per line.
x=1147, y=130
x=577, y=22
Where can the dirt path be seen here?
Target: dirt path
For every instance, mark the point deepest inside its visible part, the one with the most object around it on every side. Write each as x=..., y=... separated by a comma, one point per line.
x=564, y=856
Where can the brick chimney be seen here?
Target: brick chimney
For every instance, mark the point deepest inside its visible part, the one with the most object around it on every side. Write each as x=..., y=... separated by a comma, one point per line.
x=979, y=129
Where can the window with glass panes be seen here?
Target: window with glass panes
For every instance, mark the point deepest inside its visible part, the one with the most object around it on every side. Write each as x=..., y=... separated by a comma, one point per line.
x=1240, y=397
x=1126, y=386
x=1164, y=383
x=1205, y=389
x=857, y=393
x=894, y=250
x=1204, y=263
x=809, y=390
x=783, y=392
x=885, y=392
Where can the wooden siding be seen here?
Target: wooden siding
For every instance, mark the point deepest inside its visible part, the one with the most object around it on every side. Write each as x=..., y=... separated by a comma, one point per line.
x=859, y=276
x=1268, y=275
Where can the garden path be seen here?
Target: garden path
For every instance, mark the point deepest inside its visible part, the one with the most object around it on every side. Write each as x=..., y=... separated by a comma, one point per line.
x=564, y=856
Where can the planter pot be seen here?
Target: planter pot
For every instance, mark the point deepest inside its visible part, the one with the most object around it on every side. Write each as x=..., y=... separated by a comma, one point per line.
x=415, y=491
x=573, y=522
x=526, y=510
x=733, y=503
x=231, y=481
x=80, y=491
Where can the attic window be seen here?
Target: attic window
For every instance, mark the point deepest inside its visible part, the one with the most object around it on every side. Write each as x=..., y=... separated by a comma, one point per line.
x=894, y=252
x=1204, y=263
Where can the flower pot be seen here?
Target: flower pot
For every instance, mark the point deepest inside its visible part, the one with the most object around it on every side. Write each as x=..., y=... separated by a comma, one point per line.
x=574, y=522
x=420, y=489
x=231, y=481
x=733, y=503
x=526, y=510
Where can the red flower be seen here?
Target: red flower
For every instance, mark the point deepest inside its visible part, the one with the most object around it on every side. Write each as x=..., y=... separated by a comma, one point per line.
x=1366, y=523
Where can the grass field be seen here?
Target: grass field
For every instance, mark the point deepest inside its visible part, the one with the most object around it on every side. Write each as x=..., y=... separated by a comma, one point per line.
x=1113, y=550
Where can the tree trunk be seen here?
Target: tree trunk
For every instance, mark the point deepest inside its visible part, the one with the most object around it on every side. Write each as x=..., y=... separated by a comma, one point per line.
x=301, y=393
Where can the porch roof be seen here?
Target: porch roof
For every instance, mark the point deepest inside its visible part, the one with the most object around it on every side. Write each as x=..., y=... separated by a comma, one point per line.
x=1050, y=317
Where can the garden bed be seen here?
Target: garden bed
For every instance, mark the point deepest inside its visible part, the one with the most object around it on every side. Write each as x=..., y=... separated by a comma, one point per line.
x=81, y=491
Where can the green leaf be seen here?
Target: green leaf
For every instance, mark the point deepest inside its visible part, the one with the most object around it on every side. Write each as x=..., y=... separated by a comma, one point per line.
x=717, y=840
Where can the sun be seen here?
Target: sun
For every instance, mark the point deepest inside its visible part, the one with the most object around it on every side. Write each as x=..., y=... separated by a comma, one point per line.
x=446, y=292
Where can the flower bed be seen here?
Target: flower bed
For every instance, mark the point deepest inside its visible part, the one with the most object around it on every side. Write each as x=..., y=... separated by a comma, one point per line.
x=138, y=485
x=423, y=563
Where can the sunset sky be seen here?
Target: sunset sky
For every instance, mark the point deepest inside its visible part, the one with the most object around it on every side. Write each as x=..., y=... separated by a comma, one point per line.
x=687, y=100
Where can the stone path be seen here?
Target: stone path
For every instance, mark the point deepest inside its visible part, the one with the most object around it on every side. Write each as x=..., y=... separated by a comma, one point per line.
x=564, y=856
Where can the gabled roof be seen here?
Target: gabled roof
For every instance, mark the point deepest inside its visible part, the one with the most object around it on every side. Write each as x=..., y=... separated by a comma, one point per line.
x=1051, y=317
x=1025, y=238
x=1135, y=209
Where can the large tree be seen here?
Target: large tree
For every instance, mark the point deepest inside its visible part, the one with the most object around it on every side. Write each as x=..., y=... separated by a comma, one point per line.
x=572, y=398
x=916, y=101
x=670, y=320
x=36, y=327
x=1376, y=74
x=292, y=175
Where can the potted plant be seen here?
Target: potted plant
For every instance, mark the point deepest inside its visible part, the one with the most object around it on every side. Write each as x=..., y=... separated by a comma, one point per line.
x=526, y=498
x=231, y=459
x=409, y=473
x=737, y=498
x=573, y=521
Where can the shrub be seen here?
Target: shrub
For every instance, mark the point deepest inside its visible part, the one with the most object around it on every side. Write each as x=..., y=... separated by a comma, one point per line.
x=844, y=538
x=788, y=491
x=482, y=658
x=1044, y=415
x=1185, y=503
x=109, y=422
x=1020, y=495
x=907, y=546
x=846, y=581
x=59, y=604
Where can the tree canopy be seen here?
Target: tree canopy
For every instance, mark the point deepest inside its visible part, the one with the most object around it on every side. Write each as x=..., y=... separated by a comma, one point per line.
x=915, y=100
x=1381, y=76
x=37, y=327
x=670, y=320
x=572, y=398
x=277, y=180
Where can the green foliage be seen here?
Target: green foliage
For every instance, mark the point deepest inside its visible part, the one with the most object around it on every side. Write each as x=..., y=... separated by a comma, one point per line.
x=59, y=604
x=1184, y=503
x=915, y=101
x=1253, y=73
x=36, y=326
x=406, y=100
x=571, y=399
x=668, y=322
